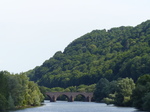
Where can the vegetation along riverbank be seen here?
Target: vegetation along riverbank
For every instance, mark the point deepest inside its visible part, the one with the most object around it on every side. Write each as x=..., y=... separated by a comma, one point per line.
x=16, y=91
x=114, y=64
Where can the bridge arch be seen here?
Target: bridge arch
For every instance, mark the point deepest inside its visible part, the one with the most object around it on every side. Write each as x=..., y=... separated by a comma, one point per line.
x=70, y=95
x=80, y=97
x=61, y=95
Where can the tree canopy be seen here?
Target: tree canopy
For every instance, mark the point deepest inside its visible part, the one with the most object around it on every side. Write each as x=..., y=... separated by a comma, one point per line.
x=118, y=52
x=17, y=91
x=141, y=94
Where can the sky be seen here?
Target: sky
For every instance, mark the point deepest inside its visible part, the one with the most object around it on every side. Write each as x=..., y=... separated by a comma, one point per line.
x=32, y=31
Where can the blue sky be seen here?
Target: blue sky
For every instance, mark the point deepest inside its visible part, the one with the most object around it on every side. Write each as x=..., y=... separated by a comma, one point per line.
x=31, y=31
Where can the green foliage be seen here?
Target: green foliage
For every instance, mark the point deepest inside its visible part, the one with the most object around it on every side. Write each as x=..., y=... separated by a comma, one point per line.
x=44, y=90
x=118, y=52
x=124, y=91
x=141, y=94
x=11, y=103
x=3, y=91
x=3, y=102
x=17, y=91
x=102, y=89
x=146, y=104
x=115, y=92
x=3, y=84
x=108, y=100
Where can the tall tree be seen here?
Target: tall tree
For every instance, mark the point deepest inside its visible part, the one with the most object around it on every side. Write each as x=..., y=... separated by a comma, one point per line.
x=141, y=94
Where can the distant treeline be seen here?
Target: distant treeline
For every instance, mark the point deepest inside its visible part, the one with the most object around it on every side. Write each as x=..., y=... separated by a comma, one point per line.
x=117, y=53
x=16, y=91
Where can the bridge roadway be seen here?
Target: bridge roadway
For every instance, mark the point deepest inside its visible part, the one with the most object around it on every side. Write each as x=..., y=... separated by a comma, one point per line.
x=70, y=95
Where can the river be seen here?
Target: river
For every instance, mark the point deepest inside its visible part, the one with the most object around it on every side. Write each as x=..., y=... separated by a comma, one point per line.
x=63, y=106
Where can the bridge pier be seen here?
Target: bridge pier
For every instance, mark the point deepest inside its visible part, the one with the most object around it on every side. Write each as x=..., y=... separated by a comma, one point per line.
x=71, y=99
x=88, y=99
x=53, y=99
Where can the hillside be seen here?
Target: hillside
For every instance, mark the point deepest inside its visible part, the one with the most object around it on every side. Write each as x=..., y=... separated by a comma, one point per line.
x=118, y=52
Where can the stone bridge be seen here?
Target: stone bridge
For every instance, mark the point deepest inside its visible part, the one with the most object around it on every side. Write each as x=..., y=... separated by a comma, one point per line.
x=70, y=95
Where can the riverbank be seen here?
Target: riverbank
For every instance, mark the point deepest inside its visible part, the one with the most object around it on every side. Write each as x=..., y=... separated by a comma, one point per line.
x=22, y=108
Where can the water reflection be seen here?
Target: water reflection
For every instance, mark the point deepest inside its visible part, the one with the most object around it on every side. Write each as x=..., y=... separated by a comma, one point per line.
x=64, y=106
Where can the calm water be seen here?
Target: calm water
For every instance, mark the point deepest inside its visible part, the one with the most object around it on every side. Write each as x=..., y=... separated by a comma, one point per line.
x=62, y=106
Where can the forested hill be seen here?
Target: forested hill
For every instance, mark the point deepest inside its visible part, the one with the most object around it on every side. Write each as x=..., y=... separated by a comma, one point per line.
x=118, y=52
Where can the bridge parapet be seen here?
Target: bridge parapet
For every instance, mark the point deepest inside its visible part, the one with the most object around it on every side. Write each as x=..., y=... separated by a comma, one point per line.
x=70, y=95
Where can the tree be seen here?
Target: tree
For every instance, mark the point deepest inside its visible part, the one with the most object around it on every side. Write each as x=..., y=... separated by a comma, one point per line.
x=34, y=97
x=101, y=89
x=120, y=92
x=11, y=104
x=3, y=102
x=146, y=104
x=3, y=90
x=124, y=91
x=141, y=94
x=17, y=91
